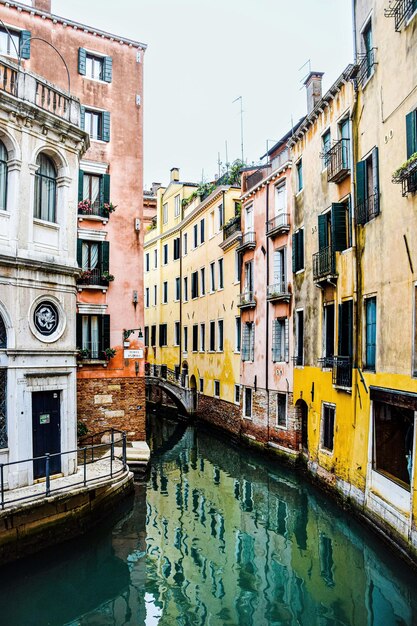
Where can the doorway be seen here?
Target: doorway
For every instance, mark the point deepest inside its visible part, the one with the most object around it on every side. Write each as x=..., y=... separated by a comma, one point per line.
x=46, y=431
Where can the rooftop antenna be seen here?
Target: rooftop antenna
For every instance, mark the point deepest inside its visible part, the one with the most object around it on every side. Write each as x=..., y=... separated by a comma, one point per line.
x=219, y=163
x=308, y=62
x=241, y=124
x=274, y=141
x=227, y=159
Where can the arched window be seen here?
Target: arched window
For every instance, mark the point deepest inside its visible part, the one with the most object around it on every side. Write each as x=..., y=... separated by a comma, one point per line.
x=3, y=389
x=45, y=189
x=3, y=177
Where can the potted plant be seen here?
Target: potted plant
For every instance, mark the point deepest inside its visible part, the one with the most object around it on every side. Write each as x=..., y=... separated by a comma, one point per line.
x=85, y=276
x=406, y=168
x=85, y=207
x=83, y=353
x=109, y=353
x=107, y=208
x=106, y=277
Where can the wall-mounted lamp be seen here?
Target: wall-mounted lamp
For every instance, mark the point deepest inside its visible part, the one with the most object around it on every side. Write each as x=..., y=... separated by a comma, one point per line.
x=135, y=297
x=131, y=331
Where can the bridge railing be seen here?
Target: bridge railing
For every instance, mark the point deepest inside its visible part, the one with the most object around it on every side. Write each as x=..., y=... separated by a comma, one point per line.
x=163, y=371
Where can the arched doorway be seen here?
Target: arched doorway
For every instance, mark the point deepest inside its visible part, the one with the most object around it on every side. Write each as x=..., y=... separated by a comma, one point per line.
x=193, y=387
x=302, y=410
x=3, y=385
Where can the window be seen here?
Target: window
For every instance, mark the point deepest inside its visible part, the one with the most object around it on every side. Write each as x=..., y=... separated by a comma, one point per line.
x=195, y=235
x=147, y=262
x=249, y=278
x=280, y=346
x=185, y=243
x=333, y=232
x=367, y=66
x=155, y=258
x=280, y=199
x=327, y=432
x=345, y=341
x=165, y=213
x=298, y=250
x=13, y=43
x=177, y=331
x=195, y=338
x=153, y=335
x=411, y=131
x=45, y=189
x=238, y=266
x=237, y=394
x=93, y=335
x=326, y=144
x=247, y=408
x=393, y=442
x=165, y=254
x=282, y=410
x=146, y=336
x=3, y=177
x=367, y=188
x=147, y=297
x=165, y=292
x=299, y=169
x=220, y=213
x=96, y=124
x=220, y=268
x=217, y=389
x=344, y=132
x=203, y=281
x=194, y=285
x=94, y=65
x=220, y=339
x=185, y=348
x=212, y=277
x=211, y=224
x=176, y=245
x=238, y=326
x=177, y=205
x=370, y=333
x=212, y=336
x=155, y=295
x=93, y=258
x=280, y=271
x=328, y=335
x=202, y=337
x=248, y=341
x=249, y=219
x=163, y=335
x=299, y=336
x=201, y=385
x=185, y=288
x=202, y=233
x=177, y=288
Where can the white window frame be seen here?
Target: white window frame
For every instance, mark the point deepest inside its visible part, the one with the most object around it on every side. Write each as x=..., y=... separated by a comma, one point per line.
x=247, y=417
x=216, y=382
x=281, y=426
x=177, y=205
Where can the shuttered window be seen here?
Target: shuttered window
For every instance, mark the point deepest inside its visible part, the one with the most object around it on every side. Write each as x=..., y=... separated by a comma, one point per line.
x=195, y=337
x=411, y=132
x=370, y=333
x=280, y=340
x=176, y=248
x=345, y=343
x=298, y=250
x=212, y=336
x=96, y=123
x=367, y=188
x=248, y=342
x=163, y=335
x=93, y=335
x=328, y=419
x=194, y=285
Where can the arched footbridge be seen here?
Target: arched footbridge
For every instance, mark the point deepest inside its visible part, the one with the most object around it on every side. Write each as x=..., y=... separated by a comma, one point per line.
x=175, y=386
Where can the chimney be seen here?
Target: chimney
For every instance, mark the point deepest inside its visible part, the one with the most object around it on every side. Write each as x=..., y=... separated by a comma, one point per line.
x=313, y=87
x=175, y=174
x=42, y=5
x=155, y=187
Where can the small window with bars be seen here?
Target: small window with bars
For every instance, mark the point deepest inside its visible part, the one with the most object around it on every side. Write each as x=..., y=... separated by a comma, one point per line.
x=280, y=343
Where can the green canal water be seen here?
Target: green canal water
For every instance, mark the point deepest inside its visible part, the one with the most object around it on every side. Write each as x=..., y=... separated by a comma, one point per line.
x=216, y=536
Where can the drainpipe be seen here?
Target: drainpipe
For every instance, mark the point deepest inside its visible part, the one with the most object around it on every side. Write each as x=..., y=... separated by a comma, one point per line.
x=181, y=329
x=357, y=252
x=267, y=312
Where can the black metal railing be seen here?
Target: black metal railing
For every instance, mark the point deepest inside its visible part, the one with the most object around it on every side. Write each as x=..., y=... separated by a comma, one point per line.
x=407, y=176
x=368, y=209
x=92, y=208
x=256, y=177
x=342, y=371
x=278, y=223
x=366, y=62
x=326, y=362
x=86, y=455
x=278, y=291
x=91, y=350
x=401, y=11
x=337, y=161
x=246, y=298
x=298, y=360
x=248, y=240
x=231, y=227
x=324, y=263
x=163, y=371
x=94, y=276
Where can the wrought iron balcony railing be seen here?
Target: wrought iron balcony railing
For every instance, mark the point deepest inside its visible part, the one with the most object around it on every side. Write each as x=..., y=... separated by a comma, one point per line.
x=366, y=63
x=324, y=263
x=326, y=362
x=92, y=208
x=368, y=209
x=298, y=360
x=337, y=161
x=231, y=227
x=407, y=177
x=246, y=300
x=278, y=224
x=342, y=371
x=278, y=293
x=94, y=276
x=248, y=241
x=401, y=11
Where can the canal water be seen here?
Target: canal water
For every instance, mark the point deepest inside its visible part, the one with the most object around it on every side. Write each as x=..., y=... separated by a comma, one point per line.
x=218, y=536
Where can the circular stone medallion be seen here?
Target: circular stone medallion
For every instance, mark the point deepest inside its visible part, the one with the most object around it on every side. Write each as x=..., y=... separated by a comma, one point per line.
x=46, y=318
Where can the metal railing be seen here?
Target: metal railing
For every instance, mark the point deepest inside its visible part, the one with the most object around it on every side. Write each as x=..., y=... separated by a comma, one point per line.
x=86, y=455
x=278, y=291
x=408, y=178
x=277, y=223
x=337, y=161
x=231, y=227
x=257, y=176
x=401, y=11
x=298, y=360
x=163, y=371
x=94, y=208
x=91, y=350
x=368, y=209
x=326, y=362
x=366, y=62
x=248, y=240
x=324, y=263
x=246, y=298
x=342, y=371
x=93, y=276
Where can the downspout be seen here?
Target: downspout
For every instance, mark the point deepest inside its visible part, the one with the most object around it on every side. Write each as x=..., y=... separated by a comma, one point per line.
x=267, y=313
x=181, y=330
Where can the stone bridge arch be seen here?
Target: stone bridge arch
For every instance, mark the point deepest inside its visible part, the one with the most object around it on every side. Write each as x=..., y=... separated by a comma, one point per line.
x=183, y=397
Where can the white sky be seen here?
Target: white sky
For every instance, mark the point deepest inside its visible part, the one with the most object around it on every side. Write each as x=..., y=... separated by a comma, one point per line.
x=202, y=54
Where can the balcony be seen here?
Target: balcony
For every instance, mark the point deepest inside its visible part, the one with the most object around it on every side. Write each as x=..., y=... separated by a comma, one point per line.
x=247, y=300
x=401, y=11
x=337, y=160
x=366, y=64
x=93, y=209
x=278, y=224
x=342, y=371
x=324, y=264
x=94, y=277
x=231, y=233
x=368, y=209
x=407, y=176
x=278, y=293
x=248, y=242
x=254, y=179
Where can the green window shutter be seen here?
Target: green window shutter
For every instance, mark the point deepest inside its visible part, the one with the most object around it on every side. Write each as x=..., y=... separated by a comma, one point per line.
x=411, y=131
x=375, y=179
x=106, y=188
x=340, y=331
x=82, y=57
x=300, y=251
x=79, y=330
x=361, y=191
x=24, y=44
x=294, y=252
x=80, y=185
x=339, y=233
x=107, y=69
x=286, y=341
x=323, y=239
x=82, y=117
x=105, y=256
x=80, y=252
x=106, y=126
x=105, y=332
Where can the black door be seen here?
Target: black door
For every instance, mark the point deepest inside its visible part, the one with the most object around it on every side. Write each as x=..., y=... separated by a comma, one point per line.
x=46, y=422
x=304, y=425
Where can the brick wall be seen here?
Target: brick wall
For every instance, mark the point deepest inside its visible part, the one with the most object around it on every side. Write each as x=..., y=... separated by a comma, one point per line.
x=112, y=403
x=265, y=430
x=219, y=413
